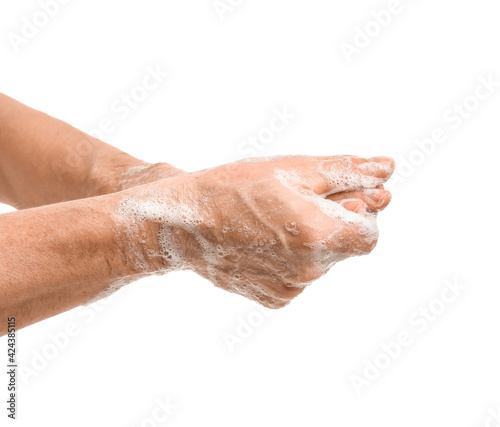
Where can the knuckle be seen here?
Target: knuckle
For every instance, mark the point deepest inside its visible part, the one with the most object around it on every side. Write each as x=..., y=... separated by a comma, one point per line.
x=312, y=233
x=309, y=273
x=368, y=245
x=273, y=302
x=363, y=245
x=280, y=303
x=283, y=290
x=286, y=292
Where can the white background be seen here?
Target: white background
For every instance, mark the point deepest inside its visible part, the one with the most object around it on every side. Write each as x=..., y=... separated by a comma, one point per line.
x=164, y=337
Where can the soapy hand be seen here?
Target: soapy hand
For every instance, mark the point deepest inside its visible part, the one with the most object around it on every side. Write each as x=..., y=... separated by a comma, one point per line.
x=262, y=228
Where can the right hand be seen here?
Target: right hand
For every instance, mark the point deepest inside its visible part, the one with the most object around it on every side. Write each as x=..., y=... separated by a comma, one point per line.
x=262, y=228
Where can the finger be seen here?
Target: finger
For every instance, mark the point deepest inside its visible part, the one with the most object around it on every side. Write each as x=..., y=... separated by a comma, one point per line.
x=354, y=205
x=348, y=173
x=376, y=199
x=356, y=228
x=272, y=296
x=358, y=237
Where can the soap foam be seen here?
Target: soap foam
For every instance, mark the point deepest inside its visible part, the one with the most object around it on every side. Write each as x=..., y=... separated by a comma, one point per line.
x=130, y=176
x=365, y=224
x=260, y=252
x=344, y=175
x=159, y=207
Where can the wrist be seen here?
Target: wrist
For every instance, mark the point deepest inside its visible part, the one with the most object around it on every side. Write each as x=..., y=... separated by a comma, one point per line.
x=124, y=172
x=107, y=169
x=144, y=173
x=151, y=230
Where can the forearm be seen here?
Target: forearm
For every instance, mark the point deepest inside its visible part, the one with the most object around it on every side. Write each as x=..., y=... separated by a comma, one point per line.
x=261, y=228
x=60, y=256
x=44, y=160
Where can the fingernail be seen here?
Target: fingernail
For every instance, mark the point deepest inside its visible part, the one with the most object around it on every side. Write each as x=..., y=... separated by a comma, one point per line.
x=383, y=160
x=376, y=195
x=352, y=205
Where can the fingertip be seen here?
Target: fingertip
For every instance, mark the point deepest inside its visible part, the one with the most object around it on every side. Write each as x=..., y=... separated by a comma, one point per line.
x=379, y=167
x=383, y=159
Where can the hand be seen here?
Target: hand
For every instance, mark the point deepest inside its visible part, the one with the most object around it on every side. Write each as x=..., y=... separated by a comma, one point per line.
x=262, y=228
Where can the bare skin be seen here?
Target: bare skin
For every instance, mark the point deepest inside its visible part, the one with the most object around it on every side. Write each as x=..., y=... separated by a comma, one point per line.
x=44, y=160
x=88, y=226
x=248, y=232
